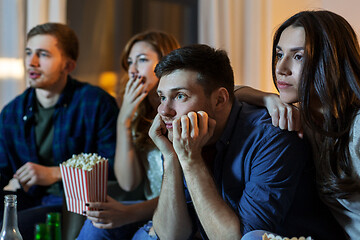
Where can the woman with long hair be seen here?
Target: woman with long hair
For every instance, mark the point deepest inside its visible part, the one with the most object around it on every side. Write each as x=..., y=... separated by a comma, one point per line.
x=328, y=92
x=316, y=66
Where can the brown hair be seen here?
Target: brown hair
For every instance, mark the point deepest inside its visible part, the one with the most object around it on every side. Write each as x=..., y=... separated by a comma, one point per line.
x=162, y=43
x=66, y=37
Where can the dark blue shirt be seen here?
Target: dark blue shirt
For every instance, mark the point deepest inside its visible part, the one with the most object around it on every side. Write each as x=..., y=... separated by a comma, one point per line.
x=266, y=175
x=84, y=121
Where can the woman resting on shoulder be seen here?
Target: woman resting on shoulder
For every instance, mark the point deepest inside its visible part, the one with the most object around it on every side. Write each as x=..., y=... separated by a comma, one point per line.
x=137, y=160
x=316, y=62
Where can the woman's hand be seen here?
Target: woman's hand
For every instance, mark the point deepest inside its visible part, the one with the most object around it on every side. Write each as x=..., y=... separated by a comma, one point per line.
x=133, y=96
x=283, y=115
x=111, y=214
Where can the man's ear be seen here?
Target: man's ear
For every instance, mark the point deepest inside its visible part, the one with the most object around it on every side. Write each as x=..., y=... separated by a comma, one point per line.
x=70, y=65
x=222, y=98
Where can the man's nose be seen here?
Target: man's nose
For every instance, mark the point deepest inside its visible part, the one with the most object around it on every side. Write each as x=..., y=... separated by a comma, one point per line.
x=33, y=60
x=165, y=109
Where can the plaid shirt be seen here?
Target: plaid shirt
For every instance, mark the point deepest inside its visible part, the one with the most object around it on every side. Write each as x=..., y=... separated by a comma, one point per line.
x=84, y=121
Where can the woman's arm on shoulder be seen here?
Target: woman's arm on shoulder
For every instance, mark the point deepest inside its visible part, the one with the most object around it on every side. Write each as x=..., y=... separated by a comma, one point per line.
x=283, y=115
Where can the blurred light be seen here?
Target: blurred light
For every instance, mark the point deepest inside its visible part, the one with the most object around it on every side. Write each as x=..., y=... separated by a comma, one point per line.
x=107, y=81
x=11, y=68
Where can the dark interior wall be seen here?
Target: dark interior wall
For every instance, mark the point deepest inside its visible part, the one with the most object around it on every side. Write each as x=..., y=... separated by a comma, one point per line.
x=104, y=27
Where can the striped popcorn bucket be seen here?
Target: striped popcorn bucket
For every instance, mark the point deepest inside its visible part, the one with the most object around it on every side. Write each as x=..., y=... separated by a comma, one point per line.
x=83, y=186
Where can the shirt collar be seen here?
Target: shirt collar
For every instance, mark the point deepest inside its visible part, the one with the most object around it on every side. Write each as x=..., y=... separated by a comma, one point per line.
x=65, y=96
x=67, y=93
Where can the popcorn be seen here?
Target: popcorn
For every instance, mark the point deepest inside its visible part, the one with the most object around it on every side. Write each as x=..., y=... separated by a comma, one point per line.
x=85, y=161
x=84, y=177
x=271, y=236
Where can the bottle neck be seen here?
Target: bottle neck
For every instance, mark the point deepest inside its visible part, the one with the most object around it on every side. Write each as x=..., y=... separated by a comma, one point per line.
x=10, y=214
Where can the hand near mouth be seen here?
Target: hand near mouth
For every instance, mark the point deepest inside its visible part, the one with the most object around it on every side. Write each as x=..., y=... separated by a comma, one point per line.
x=133, y=96
x=158, y=133
x=191, y=133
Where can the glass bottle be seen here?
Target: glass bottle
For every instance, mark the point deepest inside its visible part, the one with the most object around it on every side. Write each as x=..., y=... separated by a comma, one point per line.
x=41, y=232
x=53, y=225
x=10, y=230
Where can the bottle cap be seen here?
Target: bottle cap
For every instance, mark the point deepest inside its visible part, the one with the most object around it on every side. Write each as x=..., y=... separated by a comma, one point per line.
x=10, y=198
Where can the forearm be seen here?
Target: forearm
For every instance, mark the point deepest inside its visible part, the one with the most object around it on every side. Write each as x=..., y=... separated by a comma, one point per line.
x=217, y=218
x=127, y=166
x=171, y=219
x=142, y=211
x=252, y=96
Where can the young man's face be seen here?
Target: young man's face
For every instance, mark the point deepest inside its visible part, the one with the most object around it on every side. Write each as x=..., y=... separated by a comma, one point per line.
x=180, y=94
x=45, y=63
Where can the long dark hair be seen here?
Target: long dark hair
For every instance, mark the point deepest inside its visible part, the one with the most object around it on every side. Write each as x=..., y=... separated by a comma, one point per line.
x=331, y=80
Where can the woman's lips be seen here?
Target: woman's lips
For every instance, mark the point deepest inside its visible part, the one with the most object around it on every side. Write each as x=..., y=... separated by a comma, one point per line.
x=283, y=85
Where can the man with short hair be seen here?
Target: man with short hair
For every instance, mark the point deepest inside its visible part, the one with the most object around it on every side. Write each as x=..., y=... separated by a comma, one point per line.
x=240, y=173
x=56, y=117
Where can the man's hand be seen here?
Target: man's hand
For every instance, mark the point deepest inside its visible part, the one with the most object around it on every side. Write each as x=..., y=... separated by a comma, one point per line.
x=191, y=133
x=111, y=214
x=157, y=133
x=35, y=174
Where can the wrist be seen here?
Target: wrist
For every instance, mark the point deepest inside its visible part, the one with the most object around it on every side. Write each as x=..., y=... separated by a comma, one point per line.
x=269, y=98
x=56, y=174
x=191, y=163
x=125, y=123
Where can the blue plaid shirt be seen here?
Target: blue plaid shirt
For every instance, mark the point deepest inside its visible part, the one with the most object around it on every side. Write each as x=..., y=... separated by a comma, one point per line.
x=84, y=121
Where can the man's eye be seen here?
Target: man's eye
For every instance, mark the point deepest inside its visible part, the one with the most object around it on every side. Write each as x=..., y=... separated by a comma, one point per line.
x=43, y=54
x=180, y=96
x=28, y=53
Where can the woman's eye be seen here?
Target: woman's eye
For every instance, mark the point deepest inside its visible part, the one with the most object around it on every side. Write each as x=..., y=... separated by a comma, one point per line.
x=143, y=60
x=27, y=53
x=298, y=57
x=279, y=55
